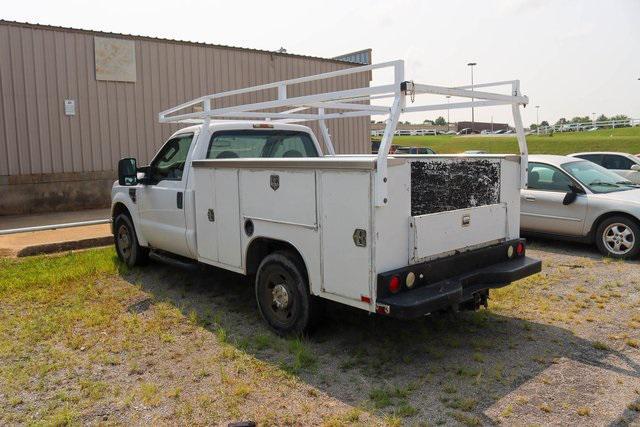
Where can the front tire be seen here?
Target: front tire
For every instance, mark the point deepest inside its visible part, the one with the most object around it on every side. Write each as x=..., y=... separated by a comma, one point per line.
x=283, y=297
x=127, y=247
x=618, y=237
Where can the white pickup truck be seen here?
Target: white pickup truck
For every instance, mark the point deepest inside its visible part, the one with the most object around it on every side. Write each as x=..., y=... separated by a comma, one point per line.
x=400, y=236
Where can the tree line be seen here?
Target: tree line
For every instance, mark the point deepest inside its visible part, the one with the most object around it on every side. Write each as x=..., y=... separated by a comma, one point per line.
x=581, y=119
x=440, y=121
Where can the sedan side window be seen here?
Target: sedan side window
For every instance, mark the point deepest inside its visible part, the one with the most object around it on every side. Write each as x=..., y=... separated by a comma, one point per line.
x=548, y=178
x=595, y=158
x=612, y=161
x=170, y=160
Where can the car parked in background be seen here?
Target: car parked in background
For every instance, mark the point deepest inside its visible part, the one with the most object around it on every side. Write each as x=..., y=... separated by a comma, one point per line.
x=466, y=131
x=414, y=150
x=575, y=199
x=475, y=152
x=624, y=164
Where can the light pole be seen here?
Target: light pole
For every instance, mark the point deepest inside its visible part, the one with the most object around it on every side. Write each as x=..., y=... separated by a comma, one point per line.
x=594, y=118
x=473, y=118
x=448, y=125
x=537, y=120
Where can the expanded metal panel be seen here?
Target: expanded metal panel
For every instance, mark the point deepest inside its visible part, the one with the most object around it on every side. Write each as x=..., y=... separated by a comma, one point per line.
x=441, y=185
x=42, y=66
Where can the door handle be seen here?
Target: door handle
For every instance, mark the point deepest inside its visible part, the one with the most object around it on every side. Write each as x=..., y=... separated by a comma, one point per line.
x=530, y=198
x=179, y=198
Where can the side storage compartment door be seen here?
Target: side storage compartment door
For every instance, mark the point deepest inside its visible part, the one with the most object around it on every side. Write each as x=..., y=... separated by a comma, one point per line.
x=206, y=226
x=227, y=212
x=218, y=216
x=345, y=211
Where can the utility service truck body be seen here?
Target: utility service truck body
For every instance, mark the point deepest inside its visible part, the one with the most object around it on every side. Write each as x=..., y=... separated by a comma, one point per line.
x=397, y=235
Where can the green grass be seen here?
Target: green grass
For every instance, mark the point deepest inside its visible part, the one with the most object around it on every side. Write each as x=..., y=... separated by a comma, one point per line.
x=626, y=140
x=69, y=343
x=41, y=272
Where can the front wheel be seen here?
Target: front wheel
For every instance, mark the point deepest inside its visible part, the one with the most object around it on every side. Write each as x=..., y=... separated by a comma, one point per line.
x=617, y=237
x=127, y=247
x=283, y=295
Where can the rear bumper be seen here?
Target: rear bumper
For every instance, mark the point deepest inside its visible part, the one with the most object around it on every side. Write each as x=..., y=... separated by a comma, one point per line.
x=456, y=289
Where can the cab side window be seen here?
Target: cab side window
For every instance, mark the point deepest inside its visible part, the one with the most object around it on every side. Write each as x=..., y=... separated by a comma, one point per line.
x=612, y=161
x=548, y=178
x=170, y=160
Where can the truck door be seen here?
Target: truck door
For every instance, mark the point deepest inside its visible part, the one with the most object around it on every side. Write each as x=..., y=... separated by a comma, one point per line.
x=162, y=216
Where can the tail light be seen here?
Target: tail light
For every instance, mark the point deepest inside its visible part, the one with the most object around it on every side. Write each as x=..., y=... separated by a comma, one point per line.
x=520, y=248
x=394, y=285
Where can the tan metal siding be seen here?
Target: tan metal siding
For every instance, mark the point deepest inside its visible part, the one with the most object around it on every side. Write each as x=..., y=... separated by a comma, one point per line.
x=40, y=68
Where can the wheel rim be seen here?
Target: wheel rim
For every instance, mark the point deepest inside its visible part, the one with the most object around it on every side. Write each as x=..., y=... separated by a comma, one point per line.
x=618, y=238
x=124, y=242
x=278, y=298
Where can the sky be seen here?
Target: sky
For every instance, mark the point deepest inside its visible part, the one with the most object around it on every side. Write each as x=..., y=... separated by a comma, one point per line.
x=571, y=57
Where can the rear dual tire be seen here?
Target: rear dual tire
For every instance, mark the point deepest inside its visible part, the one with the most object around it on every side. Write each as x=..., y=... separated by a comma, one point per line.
x=283, y=296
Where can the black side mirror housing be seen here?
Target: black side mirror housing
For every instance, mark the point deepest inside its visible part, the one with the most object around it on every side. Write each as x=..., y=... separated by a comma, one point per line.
x=572, y=195
x=569, y=198
x=127, y=171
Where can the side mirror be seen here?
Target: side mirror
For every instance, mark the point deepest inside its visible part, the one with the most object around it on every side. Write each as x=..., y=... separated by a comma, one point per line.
x=572, y=195
x=635, y=167
x=127, y=171
x=569, y=198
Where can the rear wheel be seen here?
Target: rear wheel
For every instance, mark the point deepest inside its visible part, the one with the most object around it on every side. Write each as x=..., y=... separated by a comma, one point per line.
x=283, y=297
x=618, y=237
x=127, y=247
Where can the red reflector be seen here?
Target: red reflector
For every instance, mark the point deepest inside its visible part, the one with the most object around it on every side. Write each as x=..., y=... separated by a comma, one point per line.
x=383, y=309
x=365, y=298
x=394, y=284
x=262, y=126
x=520, y=248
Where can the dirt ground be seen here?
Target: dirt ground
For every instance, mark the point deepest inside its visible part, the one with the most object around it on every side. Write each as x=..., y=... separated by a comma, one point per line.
x=157, y=345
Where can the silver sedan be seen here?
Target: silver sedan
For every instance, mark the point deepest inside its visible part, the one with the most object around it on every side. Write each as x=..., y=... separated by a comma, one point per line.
x=573, y=199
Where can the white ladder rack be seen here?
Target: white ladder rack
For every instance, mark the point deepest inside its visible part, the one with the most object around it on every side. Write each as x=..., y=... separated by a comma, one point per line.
x=349, y=103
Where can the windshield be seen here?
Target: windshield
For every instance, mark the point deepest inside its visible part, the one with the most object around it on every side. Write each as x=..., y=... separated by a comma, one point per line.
x=597, y=178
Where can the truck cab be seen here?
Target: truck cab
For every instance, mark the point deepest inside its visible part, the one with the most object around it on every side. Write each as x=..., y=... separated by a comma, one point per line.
x=394, y=235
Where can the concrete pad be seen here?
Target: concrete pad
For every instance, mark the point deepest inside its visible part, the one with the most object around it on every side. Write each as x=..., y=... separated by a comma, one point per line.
x=50, y=241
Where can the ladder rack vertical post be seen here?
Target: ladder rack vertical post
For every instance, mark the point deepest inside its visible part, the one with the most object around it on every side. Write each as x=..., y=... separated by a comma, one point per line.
x=522, y=142
x=206, y=107
x=381, y=178
x=325, y=133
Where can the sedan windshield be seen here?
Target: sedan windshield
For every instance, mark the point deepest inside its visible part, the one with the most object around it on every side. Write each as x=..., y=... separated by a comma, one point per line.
x=597, y=178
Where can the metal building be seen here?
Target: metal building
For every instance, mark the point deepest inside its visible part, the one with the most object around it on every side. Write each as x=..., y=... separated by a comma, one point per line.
x=73, y=102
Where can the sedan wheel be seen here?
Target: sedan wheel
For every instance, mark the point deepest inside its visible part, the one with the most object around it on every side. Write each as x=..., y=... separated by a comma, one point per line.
x=618, y=236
